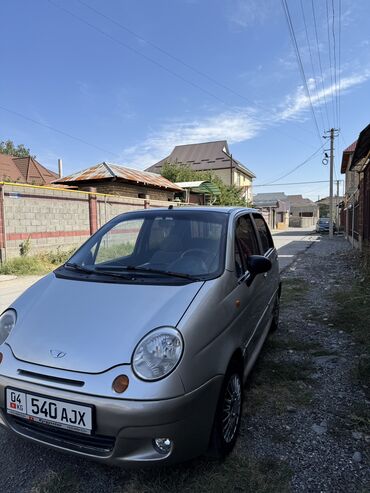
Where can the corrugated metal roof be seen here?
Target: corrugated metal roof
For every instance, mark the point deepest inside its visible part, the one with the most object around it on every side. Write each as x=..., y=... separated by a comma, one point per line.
x=362, y=151
x=347, y=155
x=351, y=148
x=107, y=171
x=200, y=186
x=25, y=170
x=270, y=196
x=8, y=170
x=202, y=157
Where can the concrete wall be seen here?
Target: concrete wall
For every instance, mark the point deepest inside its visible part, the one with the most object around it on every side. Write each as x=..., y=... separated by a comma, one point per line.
x=51, y=217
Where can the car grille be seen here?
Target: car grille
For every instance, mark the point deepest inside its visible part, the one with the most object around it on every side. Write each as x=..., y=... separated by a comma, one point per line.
x=99, y=445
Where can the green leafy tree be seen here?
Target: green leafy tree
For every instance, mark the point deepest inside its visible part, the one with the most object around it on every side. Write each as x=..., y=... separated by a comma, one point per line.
x=230, y=195
x=8, y=147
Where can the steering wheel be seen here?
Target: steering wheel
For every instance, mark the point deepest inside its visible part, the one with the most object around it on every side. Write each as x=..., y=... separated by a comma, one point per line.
x=194, y=252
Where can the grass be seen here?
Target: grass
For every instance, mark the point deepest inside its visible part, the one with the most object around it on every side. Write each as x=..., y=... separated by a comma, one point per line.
x=293, y=291
x=277, y=385
x=36, y=264
x=352, y=314
x=53, y=482
x=235, y=474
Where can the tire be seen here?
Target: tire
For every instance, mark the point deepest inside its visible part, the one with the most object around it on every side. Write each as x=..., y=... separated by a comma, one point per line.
x=225, y=433
x=276, y=315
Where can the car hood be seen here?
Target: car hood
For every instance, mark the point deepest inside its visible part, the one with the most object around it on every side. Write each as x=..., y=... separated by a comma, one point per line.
x=97, y=325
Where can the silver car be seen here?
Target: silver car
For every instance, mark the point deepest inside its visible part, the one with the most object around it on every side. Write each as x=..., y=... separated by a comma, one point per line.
x=136, y=350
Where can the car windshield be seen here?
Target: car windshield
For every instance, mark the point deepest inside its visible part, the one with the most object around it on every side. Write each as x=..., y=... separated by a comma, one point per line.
x=188, y=243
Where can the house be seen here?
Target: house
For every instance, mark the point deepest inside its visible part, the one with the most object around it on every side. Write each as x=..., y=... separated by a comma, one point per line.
x=360, y=197
x=304, y=213
x=24, y=170
x=275, y=208
x=349, y=205
x=324, y=207
x=211, y=156
x=116, y=180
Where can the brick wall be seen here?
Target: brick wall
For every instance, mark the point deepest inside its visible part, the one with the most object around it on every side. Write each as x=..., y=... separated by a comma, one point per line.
x=129, y=190
x=53, y=218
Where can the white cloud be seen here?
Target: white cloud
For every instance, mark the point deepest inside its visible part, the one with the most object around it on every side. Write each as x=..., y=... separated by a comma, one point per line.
x=295, y=105
x=235, y=125
x=245, y=13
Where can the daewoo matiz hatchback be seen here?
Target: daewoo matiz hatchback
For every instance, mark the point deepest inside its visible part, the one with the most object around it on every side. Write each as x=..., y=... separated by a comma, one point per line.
x=136, y=350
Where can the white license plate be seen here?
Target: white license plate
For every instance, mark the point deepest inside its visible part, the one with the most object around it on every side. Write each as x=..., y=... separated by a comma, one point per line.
x=58, y=413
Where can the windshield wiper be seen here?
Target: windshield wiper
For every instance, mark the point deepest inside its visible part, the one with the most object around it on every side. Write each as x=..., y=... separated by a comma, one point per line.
x=81, y=268
x=78, y=267
x=133, y=268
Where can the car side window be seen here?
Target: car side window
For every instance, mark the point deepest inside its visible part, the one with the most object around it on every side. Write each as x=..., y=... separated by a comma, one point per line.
x=264, y=232
x=246, y=239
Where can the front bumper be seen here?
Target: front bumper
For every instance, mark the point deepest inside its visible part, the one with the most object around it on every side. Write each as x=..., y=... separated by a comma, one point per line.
x=125, y=429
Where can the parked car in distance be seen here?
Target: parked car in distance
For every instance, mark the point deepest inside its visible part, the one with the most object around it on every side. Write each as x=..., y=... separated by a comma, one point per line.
x=322, y=225
x=136, y=350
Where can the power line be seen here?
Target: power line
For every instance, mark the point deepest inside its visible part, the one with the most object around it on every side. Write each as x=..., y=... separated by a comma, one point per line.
x=339, y=57
x=311, y=59
x=330, y=60
x=57, y=130
x=335, y=62
x=137, y=52
x=175, y=58
x=296, y=167
x=299, y=61
x=163, y=67
x=320, y=64
x=295, y=183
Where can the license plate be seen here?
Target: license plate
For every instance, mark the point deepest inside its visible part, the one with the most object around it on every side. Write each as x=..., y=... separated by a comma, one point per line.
x=53, y=412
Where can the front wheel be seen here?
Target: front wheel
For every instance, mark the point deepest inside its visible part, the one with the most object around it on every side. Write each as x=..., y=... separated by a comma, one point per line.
x=228, y=414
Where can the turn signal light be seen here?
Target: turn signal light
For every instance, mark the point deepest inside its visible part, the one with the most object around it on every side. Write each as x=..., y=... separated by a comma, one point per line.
x=120, y=383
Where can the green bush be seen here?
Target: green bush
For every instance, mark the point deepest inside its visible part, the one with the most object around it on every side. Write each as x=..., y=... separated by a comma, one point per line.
x=36, y=264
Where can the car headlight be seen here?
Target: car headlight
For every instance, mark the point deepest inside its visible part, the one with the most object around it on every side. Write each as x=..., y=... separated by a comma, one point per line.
x=7, y=322
x=158, y=353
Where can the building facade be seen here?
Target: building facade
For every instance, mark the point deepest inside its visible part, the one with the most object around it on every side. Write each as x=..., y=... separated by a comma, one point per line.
x=275, y=208
x=359, y=228
x=214, y=157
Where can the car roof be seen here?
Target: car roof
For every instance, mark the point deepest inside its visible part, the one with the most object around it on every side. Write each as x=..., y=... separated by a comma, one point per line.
x=224, y=209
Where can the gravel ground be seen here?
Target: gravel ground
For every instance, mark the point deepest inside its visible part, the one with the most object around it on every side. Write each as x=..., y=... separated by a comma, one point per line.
x=304, y=413
x=323, y=444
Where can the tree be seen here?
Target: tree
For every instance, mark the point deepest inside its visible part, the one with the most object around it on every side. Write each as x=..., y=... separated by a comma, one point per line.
x=8, y=147
x=230, y=195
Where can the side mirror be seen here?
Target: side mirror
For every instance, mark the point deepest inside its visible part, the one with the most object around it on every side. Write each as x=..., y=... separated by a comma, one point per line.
x=258, y=264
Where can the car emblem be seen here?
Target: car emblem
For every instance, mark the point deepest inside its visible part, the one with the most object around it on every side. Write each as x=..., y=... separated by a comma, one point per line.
x=57, y=354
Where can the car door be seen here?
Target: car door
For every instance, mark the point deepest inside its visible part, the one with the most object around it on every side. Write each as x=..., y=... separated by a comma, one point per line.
x=271, y=278
x=249, y=292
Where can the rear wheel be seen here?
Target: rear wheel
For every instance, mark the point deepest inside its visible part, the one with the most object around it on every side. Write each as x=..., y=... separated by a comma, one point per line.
x=228, y=414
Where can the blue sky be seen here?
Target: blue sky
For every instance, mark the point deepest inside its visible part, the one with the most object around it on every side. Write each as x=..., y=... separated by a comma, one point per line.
x=120, y=77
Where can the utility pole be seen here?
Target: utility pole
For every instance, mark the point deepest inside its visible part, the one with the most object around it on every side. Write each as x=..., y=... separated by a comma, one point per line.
x=231, y=170
x=331, y=229
x=331, y=184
